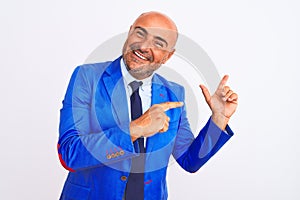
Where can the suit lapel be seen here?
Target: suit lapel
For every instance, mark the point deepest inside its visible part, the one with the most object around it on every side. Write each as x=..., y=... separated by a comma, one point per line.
x=114, y=86
x=159, y=92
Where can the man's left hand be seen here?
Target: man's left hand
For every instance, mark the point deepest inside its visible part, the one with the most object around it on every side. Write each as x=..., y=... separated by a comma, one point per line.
x=222, y=103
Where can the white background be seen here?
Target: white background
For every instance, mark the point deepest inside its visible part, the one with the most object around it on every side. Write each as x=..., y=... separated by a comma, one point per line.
x=256, y=42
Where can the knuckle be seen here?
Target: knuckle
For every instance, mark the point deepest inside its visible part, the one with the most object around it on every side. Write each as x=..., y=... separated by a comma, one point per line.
x=156, y=106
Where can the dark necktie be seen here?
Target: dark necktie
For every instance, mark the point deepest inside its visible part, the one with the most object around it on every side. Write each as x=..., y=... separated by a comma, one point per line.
x=135, y=184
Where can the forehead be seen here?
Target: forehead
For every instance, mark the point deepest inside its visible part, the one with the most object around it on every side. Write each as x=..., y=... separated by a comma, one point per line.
x=156, y=31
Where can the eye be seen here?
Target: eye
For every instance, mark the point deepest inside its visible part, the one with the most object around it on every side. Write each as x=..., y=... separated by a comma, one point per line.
x=140, y=34
x=158, y=44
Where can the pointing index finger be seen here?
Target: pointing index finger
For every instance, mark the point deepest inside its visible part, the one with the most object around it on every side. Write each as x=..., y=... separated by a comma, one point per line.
x=169, y=105
x=223, y=82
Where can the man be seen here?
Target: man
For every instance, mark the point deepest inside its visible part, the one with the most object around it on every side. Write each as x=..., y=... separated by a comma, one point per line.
x=120, y=122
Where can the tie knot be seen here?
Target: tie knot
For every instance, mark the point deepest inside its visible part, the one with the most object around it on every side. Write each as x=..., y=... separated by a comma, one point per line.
x=135, y=85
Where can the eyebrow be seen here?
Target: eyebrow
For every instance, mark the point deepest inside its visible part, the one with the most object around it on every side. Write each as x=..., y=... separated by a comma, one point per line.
x=156, y=37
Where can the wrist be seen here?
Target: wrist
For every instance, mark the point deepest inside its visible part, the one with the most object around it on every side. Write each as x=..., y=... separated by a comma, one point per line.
x=135, y=131
x=220, y=120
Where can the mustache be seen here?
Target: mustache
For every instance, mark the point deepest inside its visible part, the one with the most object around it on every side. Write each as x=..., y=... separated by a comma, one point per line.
x=145, y=51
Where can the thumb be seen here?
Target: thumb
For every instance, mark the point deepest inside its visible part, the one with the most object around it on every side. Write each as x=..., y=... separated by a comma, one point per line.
x=205, y=93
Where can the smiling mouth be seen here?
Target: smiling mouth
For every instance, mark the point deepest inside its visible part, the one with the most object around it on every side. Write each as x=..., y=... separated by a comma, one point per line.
x=139, y=55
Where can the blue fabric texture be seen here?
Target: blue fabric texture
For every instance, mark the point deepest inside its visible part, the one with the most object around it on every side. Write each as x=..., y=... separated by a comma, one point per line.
x=95, y=145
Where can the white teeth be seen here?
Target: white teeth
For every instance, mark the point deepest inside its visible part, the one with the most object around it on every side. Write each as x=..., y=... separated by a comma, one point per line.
x=139, y=55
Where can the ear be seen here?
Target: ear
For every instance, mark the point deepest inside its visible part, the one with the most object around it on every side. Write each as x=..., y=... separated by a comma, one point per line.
x=168, y=56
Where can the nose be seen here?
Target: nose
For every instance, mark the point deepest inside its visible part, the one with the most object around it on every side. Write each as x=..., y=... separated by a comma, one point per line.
x=145, y=45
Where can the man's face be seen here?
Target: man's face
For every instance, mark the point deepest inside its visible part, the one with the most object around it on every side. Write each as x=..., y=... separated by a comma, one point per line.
x=146, y=48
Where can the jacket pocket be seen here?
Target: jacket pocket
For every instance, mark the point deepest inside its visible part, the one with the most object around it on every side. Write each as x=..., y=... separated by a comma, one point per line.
x=75, y=192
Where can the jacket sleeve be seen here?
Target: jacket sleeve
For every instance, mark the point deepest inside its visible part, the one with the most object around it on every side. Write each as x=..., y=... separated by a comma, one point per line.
x=192, y=153
x=79, y=145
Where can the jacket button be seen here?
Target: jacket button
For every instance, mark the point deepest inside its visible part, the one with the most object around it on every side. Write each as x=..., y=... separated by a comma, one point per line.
x=113, y=155
x=123, y=178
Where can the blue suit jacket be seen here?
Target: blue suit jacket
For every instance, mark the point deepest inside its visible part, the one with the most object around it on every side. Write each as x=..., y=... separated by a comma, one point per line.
x=95, y=145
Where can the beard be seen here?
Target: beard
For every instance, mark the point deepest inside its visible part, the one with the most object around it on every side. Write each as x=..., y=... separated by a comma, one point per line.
x=139, y=69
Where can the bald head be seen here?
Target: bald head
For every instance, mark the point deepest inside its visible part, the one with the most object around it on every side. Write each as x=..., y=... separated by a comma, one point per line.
x=157, y=20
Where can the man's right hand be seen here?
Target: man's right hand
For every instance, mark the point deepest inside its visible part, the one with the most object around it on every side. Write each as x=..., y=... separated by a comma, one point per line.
x=154, y=120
